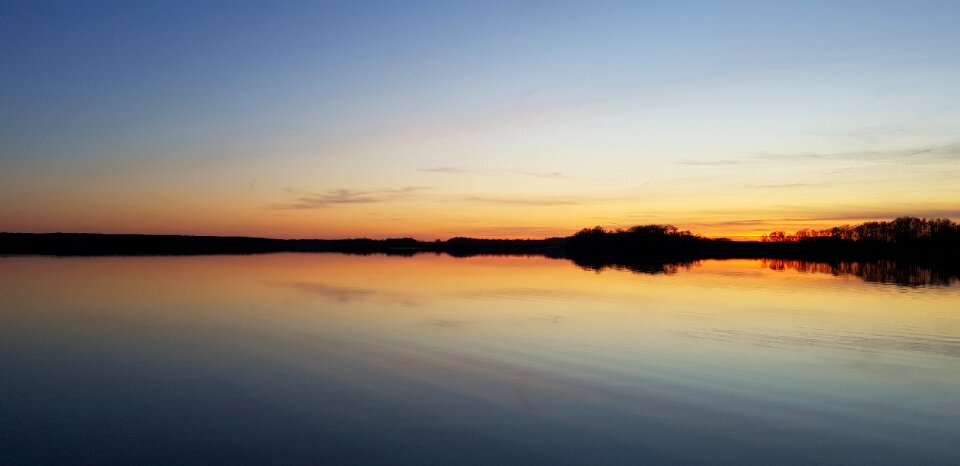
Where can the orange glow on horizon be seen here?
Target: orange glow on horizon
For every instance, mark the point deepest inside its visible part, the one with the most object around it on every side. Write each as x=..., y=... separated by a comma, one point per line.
x=371, y=228
x=205, y=211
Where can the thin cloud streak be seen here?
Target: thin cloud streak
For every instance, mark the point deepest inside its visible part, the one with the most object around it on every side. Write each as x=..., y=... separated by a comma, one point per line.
x=784, y=185
x=912, y=155
x=523, y=201
x=707, y=162
x=452, y=170
x=536, y=174
x=332, y=197
x=515, y=231
x=446, y=170
x=907, y=156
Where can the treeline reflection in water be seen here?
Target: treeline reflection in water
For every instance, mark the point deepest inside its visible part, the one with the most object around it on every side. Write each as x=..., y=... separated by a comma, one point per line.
x=881, y=271
x=884, y=271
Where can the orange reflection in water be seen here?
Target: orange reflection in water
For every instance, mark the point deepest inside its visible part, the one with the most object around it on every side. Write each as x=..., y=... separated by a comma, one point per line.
x=734, y=356
x=489, y=299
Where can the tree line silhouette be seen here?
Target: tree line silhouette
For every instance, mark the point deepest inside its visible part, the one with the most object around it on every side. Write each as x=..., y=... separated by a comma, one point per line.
x=644, y=249
x=893, y=247
x=900, y=230
x=902, y=238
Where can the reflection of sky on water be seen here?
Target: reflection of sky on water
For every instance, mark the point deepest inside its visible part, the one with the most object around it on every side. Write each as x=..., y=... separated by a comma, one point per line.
x=305, y=358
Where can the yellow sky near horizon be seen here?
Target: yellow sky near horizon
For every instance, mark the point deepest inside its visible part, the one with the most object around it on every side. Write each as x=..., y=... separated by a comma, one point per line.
x=728, y=199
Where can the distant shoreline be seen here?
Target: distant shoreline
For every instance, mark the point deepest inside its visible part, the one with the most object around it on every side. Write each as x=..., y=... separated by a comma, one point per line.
x=909, y=239
x=99, y=244
x=586, y=248
x=906, y=250
x=905, y=263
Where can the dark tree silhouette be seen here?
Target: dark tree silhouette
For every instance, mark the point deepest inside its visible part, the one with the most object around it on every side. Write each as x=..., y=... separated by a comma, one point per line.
x=643, y=248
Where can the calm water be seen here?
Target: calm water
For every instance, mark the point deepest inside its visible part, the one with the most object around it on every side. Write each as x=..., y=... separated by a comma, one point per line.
x=319, y=358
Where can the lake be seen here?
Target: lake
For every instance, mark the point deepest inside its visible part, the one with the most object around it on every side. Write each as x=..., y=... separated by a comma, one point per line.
x=431, y=359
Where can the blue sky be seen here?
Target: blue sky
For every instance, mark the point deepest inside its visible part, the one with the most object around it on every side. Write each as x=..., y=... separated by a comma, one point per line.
x=536, y=117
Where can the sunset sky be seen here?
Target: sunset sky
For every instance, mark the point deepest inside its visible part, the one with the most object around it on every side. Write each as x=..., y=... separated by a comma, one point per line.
x=486, y=119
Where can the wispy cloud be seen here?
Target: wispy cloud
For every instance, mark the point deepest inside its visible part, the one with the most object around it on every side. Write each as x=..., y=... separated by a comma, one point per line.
x=524, y=201
x=920, y=124
x=452, y=170
x=446, y=170
x=516, y=231
x=910, y=155
x=708, y=162
x=907, y=156
x=783, y=185
x=888, y=213
x=332, y=197
x=729, y=223
x=536, y=174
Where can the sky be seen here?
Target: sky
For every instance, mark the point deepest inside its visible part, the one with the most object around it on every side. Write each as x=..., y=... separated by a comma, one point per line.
x=485, y=119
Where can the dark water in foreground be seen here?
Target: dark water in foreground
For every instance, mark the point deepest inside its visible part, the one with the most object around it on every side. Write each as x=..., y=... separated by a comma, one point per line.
x=325, y=358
